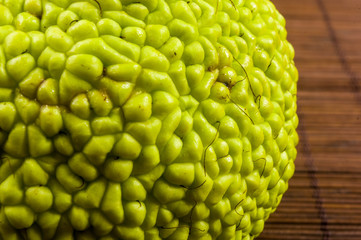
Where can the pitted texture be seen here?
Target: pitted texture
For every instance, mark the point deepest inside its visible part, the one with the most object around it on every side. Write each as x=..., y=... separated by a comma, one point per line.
x=144, y=119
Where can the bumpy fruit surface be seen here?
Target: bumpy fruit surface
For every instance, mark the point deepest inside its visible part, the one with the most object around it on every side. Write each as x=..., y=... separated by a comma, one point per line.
x=144, y=119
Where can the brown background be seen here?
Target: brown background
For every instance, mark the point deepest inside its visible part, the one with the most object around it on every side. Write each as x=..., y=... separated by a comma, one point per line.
x=324, y=196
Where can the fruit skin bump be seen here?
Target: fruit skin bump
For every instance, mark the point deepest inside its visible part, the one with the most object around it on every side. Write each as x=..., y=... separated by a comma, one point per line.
x=146, y=119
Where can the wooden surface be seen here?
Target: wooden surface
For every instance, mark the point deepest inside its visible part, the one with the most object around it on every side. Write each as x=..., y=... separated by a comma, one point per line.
x=324, y=197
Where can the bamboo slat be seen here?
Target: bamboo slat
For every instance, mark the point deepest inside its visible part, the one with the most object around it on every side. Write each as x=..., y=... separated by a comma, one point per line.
x=324, y=197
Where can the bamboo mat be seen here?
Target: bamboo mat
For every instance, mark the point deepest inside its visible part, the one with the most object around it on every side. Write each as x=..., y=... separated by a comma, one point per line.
x=324, y=197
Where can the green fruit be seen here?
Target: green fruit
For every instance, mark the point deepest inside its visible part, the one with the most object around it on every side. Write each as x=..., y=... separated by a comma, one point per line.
x=144, y=119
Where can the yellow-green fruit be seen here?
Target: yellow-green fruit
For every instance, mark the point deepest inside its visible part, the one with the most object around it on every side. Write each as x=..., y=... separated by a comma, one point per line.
x=144, y=119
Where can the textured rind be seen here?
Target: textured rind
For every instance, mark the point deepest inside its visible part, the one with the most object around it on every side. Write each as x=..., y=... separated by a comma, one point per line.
x=147, y=119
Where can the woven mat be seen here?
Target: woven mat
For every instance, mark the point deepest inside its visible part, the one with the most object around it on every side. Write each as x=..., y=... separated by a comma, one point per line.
x=324, y=197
